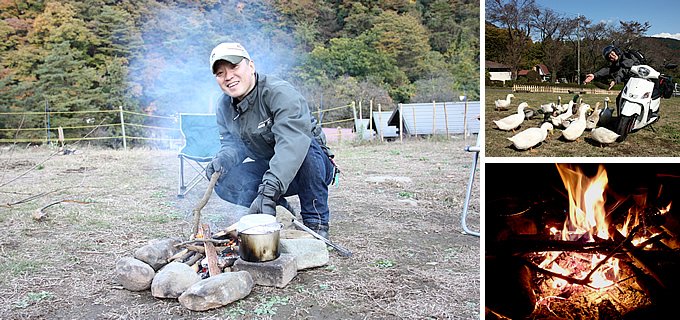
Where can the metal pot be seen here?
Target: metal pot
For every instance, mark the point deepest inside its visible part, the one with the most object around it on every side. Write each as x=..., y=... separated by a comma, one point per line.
x=259, y=247
x=258, y=237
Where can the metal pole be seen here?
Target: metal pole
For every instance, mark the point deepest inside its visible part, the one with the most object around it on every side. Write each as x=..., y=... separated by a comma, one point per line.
x=578, y=36
x=463, y=218
x=122, y=125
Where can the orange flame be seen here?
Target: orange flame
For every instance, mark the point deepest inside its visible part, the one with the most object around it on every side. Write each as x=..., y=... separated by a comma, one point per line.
x=586, y=203
x=587, y=218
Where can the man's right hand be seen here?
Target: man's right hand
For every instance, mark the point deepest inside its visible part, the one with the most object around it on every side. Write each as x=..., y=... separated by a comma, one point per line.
x=215, y=165
x=589, y=77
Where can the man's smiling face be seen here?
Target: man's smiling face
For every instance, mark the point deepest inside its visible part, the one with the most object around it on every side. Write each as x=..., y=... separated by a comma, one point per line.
x=235, y=80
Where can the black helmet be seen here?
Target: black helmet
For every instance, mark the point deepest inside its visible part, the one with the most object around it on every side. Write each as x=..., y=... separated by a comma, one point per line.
x=608, y=49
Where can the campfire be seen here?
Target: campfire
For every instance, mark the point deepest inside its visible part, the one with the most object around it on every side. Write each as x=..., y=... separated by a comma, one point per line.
x=601, y=254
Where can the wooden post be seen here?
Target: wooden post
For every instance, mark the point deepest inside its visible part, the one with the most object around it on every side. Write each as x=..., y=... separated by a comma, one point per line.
x=446, y=121
x=60, y=133
x=465, y=129
x=415, y=128
x=339, y=134
x=370, y=115
x=122, y=125
x=360, y=116
x=380, y=122
x=401, y=123
x=434, y=112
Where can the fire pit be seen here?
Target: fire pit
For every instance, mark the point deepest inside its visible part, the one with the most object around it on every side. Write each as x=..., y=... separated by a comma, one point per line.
x=584, y=241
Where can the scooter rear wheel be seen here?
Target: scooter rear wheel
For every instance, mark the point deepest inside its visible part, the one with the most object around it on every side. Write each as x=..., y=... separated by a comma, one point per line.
x=625, y=126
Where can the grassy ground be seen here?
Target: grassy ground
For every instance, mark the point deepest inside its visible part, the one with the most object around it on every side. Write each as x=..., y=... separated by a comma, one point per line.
x=411, y=259
x=660, y=140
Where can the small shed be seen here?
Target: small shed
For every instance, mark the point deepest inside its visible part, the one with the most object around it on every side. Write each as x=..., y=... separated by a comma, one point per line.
x=437, y=118
x=381, y=125
x=498, y=71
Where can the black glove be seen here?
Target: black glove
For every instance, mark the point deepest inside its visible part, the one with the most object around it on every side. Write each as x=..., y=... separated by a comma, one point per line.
x=265, y=202
x=215, y=165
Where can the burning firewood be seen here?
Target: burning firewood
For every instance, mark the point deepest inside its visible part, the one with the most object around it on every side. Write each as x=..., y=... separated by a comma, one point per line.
x=210, y=253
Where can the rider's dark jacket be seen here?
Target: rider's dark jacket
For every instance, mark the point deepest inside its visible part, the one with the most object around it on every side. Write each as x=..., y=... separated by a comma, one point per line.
x=619, y=69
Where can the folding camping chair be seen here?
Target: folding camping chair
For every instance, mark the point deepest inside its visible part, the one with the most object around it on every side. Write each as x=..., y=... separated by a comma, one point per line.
x=475, y=156
x=201, y=143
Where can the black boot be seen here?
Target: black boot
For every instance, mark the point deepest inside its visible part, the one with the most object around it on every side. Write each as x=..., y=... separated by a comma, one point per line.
x=321, y=229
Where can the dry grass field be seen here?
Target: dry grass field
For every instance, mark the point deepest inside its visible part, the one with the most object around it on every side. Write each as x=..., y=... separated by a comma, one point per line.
x=411, y=259
x=662, y=139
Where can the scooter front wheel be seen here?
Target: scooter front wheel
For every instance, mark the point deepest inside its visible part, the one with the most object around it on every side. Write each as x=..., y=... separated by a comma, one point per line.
x=625, y=126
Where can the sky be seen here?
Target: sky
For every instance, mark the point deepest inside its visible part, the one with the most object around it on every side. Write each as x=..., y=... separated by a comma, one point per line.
x=662, y=15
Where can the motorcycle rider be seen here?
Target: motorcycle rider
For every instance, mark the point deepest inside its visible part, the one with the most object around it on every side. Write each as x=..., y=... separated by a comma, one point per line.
x=619, y=70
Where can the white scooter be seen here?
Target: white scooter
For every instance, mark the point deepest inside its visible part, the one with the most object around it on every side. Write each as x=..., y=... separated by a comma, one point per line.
x=639, y=104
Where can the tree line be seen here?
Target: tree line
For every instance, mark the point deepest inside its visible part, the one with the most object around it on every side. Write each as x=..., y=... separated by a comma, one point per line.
x=151, y=56
x=521, y=34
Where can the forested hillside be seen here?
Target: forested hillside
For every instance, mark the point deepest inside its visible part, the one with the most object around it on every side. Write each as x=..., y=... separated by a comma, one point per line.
x=152, y=56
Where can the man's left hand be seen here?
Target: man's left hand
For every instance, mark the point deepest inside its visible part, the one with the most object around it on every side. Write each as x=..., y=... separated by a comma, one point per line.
x=611, y=84
x=265, y=202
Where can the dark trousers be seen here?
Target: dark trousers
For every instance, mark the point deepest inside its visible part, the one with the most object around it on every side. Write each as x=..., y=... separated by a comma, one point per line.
x=239, y=185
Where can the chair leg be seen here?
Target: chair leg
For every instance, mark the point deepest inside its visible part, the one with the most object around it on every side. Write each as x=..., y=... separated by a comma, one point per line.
x=182, y=188
x=185, y=187
x=471, y=180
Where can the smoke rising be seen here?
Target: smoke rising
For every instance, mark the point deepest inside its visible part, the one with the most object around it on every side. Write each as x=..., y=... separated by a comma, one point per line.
x=173, y=68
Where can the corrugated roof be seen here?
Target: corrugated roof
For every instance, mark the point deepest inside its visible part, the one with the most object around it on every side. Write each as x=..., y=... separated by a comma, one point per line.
x=437, y=118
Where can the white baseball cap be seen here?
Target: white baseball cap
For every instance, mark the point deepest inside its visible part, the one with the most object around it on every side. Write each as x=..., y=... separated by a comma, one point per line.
x=229, y=51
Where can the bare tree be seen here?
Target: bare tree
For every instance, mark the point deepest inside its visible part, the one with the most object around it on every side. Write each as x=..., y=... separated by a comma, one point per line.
x=515, y=17
x=553, y=29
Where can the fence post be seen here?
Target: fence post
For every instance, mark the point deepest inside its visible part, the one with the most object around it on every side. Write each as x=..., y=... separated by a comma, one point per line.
x=434, y=112
x=370, y=116
x=401, y=123
x=122, y=125
x=360, y=115
x=380, y=122
x=47, y=120
x=446, y=121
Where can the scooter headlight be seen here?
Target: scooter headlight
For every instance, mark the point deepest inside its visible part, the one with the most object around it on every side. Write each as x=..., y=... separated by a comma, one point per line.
x=643, y=72
x=646, y=95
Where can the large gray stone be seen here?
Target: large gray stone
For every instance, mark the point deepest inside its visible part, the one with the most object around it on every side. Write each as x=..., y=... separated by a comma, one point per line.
x=274, y=273
x=157, y=252
x=133, y=274
x=217, y=291
x=308, y=253
x=173, y=279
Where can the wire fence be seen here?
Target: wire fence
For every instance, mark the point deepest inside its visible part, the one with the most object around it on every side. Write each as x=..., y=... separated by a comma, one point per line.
x=118, y=128
x=110, y=127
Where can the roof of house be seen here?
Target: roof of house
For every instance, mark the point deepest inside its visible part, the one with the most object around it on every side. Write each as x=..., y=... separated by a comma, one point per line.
x=543, y=69
x=522, y=72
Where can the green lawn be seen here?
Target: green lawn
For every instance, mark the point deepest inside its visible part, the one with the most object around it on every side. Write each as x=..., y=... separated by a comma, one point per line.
x=660, y=140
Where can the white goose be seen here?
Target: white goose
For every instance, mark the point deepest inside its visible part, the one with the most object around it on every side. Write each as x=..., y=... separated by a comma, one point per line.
x=504, y=104
x=576, y=128
x=593, y=118
x=512, y=121
x=604, y=135
x=529, y=138
x=563, y=115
